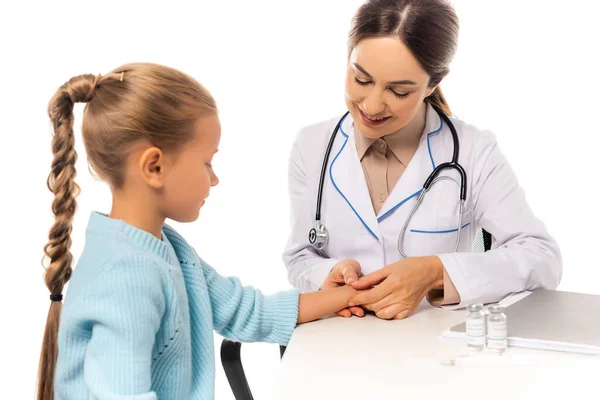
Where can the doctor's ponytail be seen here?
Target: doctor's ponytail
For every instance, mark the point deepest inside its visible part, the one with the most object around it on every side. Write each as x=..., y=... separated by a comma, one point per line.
x=438, y=100
x=429, y=28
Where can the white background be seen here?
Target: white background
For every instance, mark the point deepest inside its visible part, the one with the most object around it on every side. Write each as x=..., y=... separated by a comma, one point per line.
x=525, y=69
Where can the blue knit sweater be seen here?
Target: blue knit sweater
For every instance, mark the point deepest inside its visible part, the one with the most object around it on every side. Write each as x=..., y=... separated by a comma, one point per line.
x=138, y=318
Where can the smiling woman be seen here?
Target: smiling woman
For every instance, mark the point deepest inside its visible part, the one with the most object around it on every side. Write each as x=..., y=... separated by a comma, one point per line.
x=398, y=131
x=367, y=96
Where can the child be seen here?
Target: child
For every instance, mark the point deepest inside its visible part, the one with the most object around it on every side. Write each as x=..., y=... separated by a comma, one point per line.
x=141, y=307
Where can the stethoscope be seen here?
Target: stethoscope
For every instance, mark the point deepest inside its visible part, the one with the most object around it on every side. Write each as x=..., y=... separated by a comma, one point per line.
x=318, y=235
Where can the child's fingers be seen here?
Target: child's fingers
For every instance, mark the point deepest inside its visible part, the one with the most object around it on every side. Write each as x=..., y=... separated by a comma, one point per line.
x=345, y=313
x=358, y=311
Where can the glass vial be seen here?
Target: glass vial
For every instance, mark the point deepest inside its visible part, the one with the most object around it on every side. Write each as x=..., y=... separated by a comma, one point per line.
x=475, y=324
x=497, y=334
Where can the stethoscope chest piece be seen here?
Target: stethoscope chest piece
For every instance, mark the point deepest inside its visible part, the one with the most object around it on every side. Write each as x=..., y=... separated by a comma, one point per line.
x=318, y=235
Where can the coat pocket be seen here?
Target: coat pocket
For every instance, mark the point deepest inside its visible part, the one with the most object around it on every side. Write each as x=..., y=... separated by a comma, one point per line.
x=437, y=235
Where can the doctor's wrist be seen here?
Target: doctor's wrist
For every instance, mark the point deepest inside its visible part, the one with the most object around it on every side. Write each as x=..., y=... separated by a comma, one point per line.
x=436, y=272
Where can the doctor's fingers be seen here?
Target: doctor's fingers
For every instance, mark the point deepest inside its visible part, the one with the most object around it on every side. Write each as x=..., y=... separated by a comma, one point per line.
x=334, y=279
x=383, y=303
x=405, y=313
x=350, y=270
x=394, y=311
x=374, y=295
x=374, y=278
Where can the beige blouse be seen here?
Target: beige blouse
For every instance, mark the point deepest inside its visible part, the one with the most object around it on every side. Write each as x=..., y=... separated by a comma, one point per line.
x=383, y=161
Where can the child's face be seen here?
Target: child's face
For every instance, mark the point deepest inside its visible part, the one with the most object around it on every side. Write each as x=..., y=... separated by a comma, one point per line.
x=189, y=179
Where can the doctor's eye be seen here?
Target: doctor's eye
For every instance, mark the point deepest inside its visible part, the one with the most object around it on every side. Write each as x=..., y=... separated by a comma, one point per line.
x=362, y=83
x=400, y=95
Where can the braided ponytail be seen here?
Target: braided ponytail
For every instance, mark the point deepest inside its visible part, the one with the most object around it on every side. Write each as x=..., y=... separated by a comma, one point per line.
x=61, y=182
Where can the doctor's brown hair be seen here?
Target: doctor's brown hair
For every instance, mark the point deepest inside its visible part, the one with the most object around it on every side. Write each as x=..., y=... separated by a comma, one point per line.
x=132, y=103
x=429, y=28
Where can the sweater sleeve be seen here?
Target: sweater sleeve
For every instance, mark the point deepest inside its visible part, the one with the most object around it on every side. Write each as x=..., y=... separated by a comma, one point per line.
x=124, y=310
x=245, y=314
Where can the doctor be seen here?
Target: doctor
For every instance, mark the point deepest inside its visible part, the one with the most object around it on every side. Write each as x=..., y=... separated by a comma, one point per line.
x=376, y=222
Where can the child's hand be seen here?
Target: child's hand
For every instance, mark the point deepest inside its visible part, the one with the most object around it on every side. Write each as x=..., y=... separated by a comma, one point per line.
x=344, y=273
x=316, y=305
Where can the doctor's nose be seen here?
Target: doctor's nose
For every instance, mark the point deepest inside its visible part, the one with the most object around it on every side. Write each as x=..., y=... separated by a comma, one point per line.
x=373, y=104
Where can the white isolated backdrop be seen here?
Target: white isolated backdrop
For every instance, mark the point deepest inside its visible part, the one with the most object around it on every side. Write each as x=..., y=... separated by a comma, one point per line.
x=525, y=69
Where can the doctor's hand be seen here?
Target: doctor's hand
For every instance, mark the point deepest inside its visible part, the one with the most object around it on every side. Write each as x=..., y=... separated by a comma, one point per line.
x=401, y=286
x=344, y=273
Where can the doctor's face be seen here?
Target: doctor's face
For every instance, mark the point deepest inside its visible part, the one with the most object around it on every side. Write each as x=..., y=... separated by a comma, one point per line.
x=385, y=86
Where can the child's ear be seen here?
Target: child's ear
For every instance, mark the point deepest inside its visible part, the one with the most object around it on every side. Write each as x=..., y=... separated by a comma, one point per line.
x=152, y=163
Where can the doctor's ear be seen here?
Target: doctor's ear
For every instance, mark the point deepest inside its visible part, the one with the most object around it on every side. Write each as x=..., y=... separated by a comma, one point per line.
x=430, y=91
x=152, y=165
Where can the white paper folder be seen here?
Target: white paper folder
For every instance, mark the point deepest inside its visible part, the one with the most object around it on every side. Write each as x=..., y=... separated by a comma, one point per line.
x=550, y=320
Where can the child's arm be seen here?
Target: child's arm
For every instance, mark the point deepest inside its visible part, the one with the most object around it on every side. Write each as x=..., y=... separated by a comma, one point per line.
x=122, y=309
x=316, y=305
x=245, y=314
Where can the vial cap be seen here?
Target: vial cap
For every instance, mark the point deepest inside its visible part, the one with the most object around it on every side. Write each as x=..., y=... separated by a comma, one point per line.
x=475, y=307
x=495, y=308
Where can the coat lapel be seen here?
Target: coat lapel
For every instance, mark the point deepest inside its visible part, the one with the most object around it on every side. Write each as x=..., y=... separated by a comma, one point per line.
x=419, y=168
x=349, y=181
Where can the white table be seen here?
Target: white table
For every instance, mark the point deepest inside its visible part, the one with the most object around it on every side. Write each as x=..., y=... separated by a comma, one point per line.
x=369, y=358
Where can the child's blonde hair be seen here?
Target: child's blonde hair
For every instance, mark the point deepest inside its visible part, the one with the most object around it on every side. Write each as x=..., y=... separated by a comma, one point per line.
x=134, y=102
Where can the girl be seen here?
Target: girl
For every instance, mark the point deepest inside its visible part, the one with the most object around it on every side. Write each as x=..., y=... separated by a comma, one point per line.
x=141, y=307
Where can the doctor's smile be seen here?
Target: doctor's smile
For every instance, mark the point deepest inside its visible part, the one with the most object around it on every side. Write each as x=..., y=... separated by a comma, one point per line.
x=370, y=120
